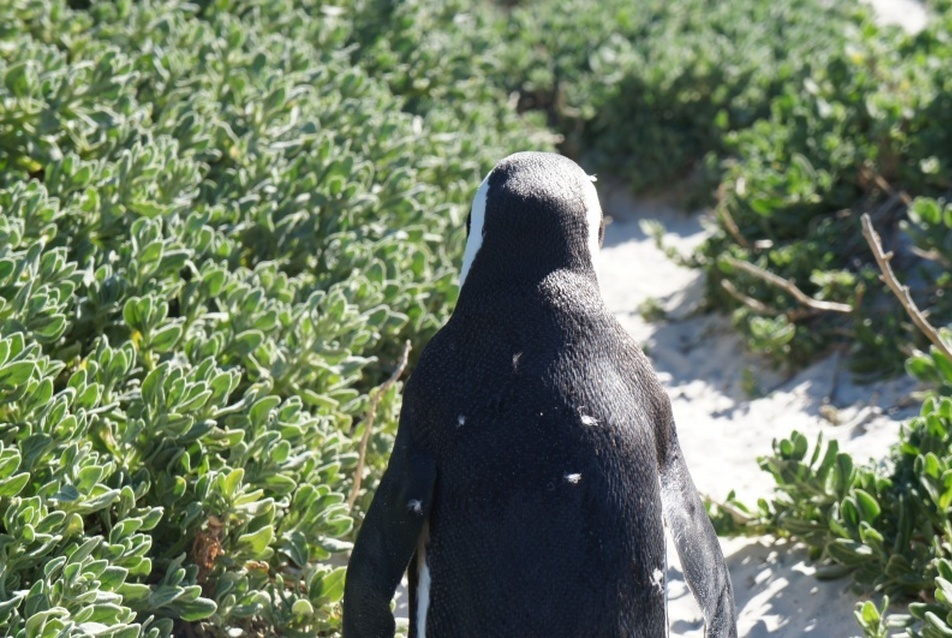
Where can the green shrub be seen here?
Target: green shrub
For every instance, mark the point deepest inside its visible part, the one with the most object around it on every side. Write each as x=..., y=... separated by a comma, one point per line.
x=886, y=525
x=216, y=233
x=646, y=89
x=643, y=90
x=852, y=133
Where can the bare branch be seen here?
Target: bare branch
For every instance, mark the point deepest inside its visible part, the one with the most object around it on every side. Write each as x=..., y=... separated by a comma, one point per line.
x=731, y=225
x=901, y=292
x=728, y=220
x=931, y=255
x=754, y=304
x=790, y=287
x=369, y=422
x=870, y=175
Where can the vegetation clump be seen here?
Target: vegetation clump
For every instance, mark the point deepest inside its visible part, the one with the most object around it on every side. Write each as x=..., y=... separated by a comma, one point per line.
x=886, y=525
x=862, y=132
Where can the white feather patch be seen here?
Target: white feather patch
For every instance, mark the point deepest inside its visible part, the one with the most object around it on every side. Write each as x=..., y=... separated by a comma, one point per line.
x=477, y=219
x=593, y=211
x=423, y=583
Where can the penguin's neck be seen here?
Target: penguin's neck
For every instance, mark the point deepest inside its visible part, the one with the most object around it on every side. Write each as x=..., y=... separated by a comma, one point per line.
x=578, y=284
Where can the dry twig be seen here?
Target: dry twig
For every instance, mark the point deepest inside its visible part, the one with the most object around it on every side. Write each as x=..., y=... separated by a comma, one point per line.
x=754, y=304
x=870, y=175
x=790, y=287
x=901, y=292
x=369, y=422
x=722, y=211
x=931, y=255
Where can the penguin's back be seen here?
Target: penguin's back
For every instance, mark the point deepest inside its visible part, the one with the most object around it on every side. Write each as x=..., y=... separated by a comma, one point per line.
x=546, y=518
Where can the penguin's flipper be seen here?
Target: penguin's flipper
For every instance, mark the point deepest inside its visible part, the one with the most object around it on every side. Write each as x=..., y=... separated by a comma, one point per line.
x=387, y=540
x=701, y=557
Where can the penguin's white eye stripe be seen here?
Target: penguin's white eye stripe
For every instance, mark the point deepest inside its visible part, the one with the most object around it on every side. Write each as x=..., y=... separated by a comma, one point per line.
x=593, y=210
x=477, y=217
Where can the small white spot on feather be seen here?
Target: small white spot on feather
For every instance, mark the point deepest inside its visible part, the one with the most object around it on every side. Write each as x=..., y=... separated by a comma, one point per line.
x=415, y=506
x=657, y=579
x=589, y=420
x=573, y=478
x=460, y=421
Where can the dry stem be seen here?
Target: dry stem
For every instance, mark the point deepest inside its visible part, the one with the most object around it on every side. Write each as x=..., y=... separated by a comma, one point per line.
x=869, y=174
x=726, y=217
x=790, y=287
x=369, y=422
x=754, y=304
x=901, y=292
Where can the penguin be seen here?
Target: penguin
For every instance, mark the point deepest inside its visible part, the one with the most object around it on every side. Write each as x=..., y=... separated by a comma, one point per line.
x=536, y=460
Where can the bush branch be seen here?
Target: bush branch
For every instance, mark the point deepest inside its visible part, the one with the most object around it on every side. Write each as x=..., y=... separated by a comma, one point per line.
x=876, y=178
x=369, y=422
x=727, y=219
x=754, y=304
x=790, y=287
x=901, y=292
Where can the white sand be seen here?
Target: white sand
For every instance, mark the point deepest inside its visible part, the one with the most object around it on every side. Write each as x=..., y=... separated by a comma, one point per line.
x=702, y=363
x=908, y=14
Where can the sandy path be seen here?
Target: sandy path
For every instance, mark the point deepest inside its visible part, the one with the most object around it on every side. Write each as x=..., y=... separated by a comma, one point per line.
x=702, y=364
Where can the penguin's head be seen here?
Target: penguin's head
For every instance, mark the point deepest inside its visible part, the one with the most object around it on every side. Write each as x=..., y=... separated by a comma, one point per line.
x=533, y=214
